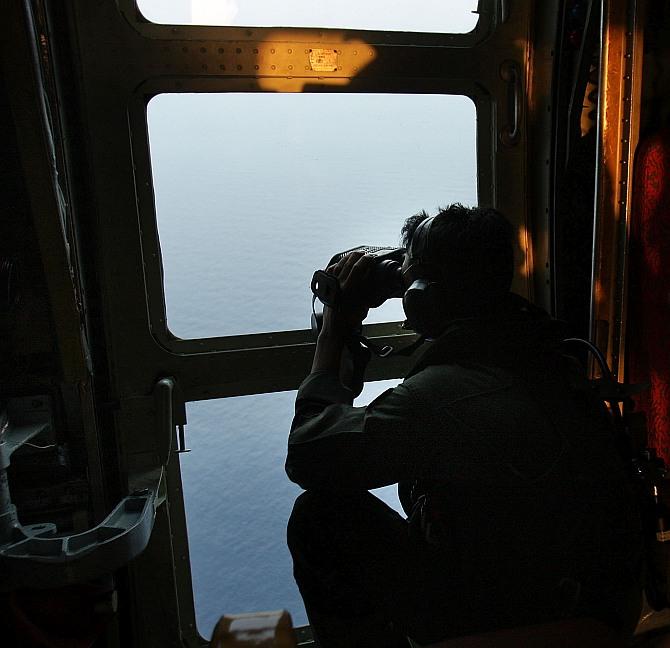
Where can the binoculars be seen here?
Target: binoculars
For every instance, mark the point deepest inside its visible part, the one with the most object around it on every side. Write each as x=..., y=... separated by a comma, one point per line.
x=385, y=276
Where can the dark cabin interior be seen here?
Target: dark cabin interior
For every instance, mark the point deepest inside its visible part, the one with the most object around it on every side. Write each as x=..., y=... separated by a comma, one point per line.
x=89, y=367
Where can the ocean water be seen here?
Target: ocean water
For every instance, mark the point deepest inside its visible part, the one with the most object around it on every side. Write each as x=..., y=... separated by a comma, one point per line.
x=253, y=193
x=238, y=500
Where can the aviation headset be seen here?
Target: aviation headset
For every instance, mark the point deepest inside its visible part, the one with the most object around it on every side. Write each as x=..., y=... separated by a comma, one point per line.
x=426, y=301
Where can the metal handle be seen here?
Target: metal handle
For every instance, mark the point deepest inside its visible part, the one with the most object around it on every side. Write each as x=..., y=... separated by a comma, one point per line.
x=171, y=417
x=511, y=132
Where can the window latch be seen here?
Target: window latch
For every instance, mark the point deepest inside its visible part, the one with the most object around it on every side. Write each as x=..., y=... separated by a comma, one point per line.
x=171, y=415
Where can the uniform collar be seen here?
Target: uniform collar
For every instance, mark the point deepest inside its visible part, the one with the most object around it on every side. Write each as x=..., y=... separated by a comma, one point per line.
x=516, y=331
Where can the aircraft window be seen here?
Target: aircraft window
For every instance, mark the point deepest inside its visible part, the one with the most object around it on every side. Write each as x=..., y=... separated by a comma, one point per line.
x=255, y=191
x=455, y=16
x=238, y=500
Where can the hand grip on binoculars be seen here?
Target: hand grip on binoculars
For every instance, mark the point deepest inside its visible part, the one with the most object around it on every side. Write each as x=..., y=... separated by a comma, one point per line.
x=326, y=287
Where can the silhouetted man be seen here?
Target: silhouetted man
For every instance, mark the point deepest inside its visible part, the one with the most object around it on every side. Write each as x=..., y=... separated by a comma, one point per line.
x=519, y=508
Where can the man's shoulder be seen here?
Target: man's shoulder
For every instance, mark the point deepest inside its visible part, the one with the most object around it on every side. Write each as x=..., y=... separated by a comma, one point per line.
x=452, y=381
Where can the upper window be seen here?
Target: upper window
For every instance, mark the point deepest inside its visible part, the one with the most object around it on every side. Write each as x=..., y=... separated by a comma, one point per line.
x=442, y=16
x=255, y=191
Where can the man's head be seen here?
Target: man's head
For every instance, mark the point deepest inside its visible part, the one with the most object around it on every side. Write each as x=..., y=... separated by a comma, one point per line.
x=460, y=263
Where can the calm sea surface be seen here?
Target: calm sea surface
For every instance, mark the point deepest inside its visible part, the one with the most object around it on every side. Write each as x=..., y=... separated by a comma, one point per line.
x=253, y=193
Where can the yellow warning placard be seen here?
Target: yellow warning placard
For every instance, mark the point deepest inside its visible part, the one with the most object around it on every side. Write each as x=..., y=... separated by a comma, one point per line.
x=323, y=60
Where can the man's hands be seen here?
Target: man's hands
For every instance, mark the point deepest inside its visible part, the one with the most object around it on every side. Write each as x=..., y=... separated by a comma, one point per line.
x=331, y=353
x=353, y=273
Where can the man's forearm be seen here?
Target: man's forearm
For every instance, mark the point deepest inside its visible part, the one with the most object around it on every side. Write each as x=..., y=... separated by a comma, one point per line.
x=333, y=353
x=328, y=354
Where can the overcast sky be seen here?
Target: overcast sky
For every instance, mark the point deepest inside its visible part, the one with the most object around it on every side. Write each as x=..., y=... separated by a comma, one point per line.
x=403, y=15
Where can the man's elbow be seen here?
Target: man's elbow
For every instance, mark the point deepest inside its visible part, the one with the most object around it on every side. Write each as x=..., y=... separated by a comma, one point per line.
x=311, y=474
x=298, y=472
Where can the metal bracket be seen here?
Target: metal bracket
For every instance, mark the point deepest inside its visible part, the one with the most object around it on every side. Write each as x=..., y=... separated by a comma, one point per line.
x=32, y=555
x=38, y=559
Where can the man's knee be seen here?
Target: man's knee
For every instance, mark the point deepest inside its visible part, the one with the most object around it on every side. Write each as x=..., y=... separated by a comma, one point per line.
x=353, y=522
x=314, y=517
x=310, y=503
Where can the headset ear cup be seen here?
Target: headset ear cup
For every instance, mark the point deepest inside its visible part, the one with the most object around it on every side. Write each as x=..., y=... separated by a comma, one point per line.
x=424, y=307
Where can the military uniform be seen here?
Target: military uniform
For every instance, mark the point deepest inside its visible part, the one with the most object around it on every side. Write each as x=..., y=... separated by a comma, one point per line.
x=519, y=508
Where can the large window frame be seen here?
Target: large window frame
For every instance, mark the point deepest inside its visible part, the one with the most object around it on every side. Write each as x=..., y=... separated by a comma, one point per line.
x=124, y=61
x=244, y=343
